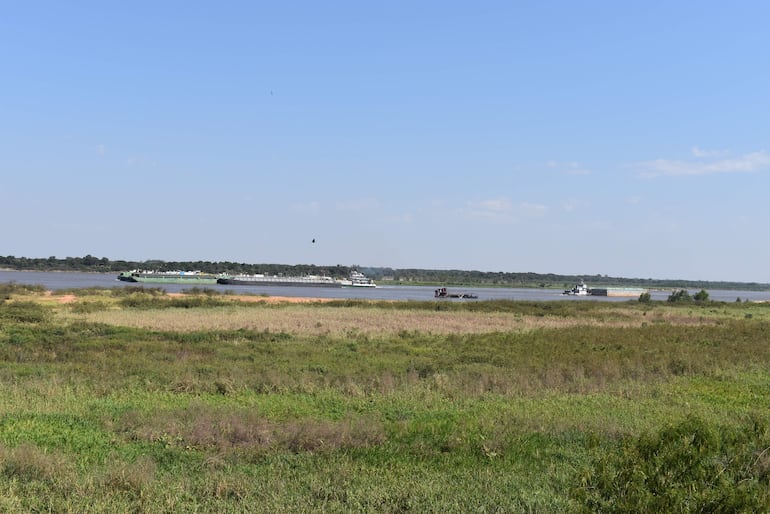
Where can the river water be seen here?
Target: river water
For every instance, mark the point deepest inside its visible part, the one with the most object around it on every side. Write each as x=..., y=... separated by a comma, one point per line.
x=72, y=280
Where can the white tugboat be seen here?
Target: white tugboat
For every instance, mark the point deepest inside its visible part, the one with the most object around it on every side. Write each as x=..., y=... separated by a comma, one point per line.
x=580, y=289
x=357, y=279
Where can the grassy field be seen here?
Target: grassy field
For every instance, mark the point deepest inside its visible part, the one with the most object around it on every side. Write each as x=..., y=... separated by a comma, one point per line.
x=130, y=400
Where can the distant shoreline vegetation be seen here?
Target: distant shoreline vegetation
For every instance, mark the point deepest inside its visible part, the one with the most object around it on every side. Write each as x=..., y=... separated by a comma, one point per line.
x=410, y=276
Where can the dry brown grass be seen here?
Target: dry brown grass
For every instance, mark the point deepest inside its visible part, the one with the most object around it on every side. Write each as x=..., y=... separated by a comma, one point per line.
x=132, y=477
x=305, y=320
x=29, y=462
x=201, y=426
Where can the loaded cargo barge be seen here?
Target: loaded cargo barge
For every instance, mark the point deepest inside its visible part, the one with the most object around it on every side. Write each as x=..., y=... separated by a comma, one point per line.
x=276, y=280
x=356, y=279
x=630, y=292
x=582, y=289
x=168, y=277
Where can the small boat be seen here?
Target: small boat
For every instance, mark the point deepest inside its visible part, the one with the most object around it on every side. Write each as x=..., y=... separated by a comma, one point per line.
x=443, y=293
x=580, y=289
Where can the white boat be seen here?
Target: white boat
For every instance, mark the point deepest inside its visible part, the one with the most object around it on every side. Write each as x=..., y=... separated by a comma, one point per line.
x=580, y=289
x=357, y=279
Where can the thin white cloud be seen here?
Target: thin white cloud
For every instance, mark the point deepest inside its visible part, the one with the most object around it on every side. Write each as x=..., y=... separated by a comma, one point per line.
x=494, y=205
x=313, y=207
x=101, y=149
x=573, y=204
x=140, y=161
x=501, y=210
x=358, y=205
x=570, y=168
x=405, y=218
x=751, y=162
x=533, y=210
x=496, y=209
x=699, y=152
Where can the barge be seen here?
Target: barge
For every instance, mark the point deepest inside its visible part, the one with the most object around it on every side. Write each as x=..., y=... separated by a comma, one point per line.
x=582, y=289
x=278, y=280
x=168, y=277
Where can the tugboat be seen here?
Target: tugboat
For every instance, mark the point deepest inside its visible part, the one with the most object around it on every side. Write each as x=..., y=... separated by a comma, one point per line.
x=357, y=279
x=442, y=293
x=580, y=289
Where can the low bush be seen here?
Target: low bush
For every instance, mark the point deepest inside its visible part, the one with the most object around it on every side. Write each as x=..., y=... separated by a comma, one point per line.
x=23, y=312
x=680, y=296
x=9, y=288
x=204, y=291
x=144, y=301
x=87, y=307
x=132, y=290
x=687, y=467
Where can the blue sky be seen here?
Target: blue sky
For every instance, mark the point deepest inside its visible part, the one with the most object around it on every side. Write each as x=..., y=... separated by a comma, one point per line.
x=620, y=138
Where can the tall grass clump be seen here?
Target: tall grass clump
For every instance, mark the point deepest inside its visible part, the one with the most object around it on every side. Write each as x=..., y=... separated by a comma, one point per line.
x=29, y=462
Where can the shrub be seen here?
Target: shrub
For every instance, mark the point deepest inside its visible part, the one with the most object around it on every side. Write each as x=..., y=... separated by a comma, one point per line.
x=680, y=296
x=87, y=307
x=204, y=291
x=23, y=312
x=701, y=296
x=688, y=467
x=645, y=297
x=132, y=290
x=10, y=288
x=143, y=301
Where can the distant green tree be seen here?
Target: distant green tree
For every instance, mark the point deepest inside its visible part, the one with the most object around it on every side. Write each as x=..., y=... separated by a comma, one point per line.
x=680, y=296
x=701, y=296
x=645, y=297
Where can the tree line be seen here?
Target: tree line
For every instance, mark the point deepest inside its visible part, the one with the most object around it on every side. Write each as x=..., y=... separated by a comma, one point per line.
x=414, y=276
x=89, y=263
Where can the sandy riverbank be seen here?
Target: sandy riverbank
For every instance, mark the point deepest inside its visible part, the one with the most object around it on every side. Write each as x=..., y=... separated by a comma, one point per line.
x=267, y=299
x=70, y=298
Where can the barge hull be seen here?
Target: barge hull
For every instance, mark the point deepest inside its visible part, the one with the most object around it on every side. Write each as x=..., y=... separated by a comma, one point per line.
x=236, y=282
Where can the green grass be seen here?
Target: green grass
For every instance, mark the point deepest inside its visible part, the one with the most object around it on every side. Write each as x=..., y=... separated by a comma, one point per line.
x=628, y=407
